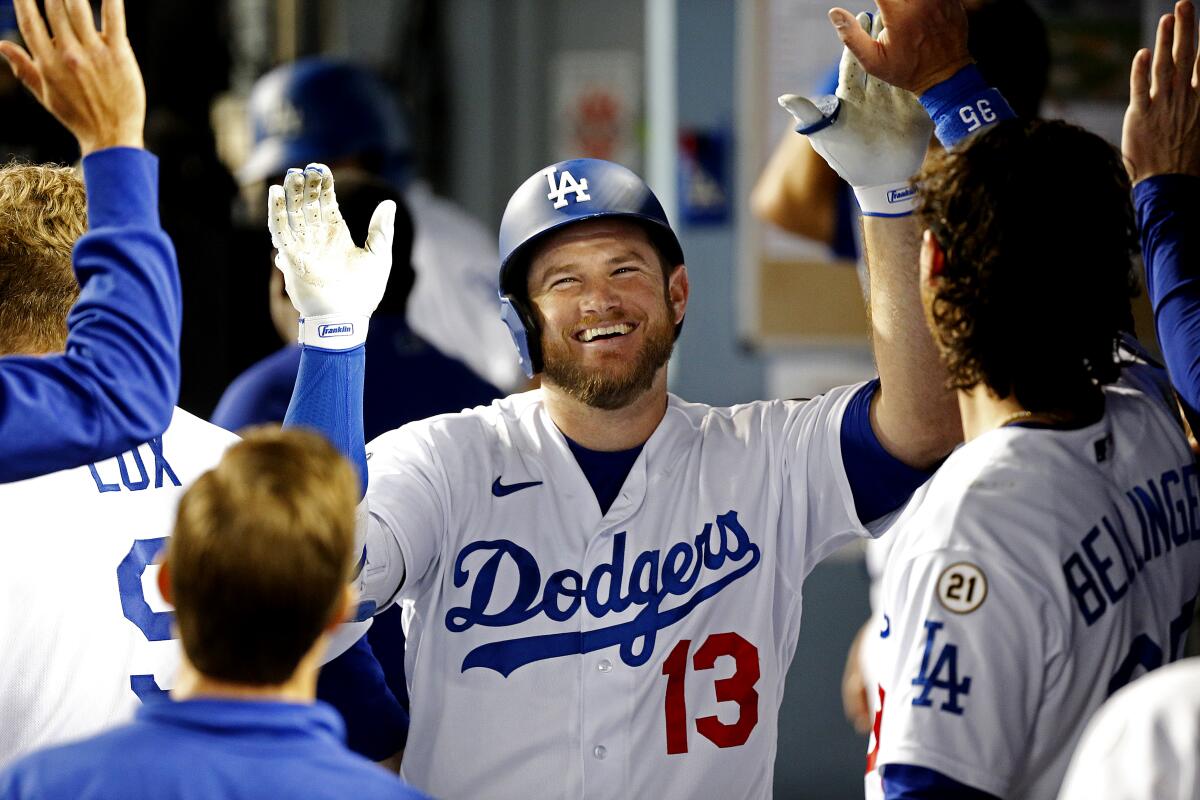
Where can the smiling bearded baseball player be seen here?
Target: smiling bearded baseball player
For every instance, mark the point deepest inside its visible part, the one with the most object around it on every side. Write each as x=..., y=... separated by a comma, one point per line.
x=604, y=579
x=1052, y=558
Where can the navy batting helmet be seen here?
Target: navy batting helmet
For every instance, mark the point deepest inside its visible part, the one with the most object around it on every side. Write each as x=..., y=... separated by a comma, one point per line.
x=317, y=109
x=552, y=198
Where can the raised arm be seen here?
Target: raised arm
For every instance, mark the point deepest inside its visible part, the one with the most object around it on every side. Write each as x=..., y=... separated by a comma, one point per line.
x=1161, y=146
x=116, y=384
x=335, y=286
x=875, y=136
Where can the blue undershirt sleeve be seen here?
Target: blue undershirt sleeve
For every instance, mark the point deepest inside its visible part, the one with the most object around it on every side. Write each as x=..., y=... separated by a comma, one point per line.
x=1168, y=216
x=328, y=398
x=908, y=782
x=880, y=482
x=354, y=684
x=116, y=384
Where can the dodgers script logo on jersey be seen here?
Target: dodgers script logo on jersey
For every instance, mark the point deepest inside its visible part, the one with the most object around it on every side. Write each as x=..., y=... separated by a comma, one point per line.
x=722, y=551
x=566, y=185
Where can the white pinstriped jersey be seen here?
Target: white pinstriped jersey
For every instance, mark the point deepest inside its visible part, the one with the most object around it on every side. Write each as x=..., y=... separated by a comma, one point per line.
x=84, y=628
x=555, y=652
x=1035, y=574
x=1141, y=744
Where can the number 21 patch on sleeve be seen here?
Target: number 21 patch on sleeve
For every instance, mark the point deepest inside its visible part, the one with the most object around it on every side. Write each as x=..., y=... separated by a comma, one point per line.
x=962, y=587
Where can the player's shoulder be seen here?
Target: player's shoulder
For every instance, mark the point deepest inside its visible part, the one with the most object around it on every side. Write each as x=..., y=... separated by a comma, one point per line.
x=969, y=503
x=66, y=770
x=759, y=416
x=197, y=434
x=1142, y=741
x=500, y=420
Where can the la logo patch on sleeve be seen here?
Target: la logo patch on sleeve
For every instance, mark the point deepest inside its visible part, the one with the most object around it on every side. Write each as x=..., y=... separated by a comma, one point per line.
x=962, y=588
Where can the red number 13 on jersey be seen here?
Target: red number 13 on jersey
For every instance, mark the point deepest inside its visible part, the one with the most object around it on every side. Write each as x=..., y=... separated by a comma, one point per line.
x=737, y=688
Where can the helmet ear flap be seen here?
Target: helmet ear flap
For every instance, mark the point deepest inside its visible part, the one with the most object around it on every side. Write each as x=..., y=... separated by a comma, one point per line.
x=526, y=332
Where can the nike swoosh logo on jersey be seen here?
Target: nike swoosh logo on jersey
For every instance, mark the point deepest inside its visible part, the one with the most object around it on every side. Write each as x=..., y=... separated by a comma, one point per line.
x=500, y=490
x=887, y=627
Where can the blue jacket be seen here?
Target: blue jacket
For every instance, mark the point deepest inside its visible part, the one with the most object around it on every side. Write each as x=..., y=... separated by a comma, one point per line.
x=204, y=749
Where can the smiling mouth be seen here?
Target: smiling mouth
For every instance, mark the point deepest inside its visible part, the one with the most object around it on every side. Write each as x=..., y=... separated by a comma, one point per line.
x=601, y=332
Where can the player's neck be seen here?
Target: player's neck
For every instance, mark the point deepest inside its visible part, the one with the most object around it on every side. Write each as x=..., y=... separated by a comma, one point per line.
x=301, y=687
x=982, y=411
x=608, y=430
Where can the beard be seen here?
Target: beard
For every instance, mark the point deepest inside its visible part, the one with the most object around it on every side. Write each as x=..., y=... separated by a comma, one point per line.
x=616, y=383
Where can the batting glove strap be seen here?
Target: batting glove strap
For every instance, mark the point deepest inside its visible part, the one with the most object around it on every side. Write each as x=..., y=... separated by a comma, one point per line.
x=887, y=200
x=963, y=105
x=334, y=331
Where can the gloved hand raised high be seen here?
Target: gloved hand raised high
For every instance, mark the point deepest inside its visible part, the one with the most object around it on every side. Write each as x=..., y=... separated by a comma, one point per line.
x=872, y=134
x=334, y=284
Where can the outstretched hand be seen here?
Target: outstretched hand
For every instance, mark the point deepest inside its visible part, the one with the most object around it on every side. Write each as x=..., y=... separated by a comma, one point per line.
x=88, y=79
x=923, y=42
x=875, y=137
x=1161, y=134
x=324, y=271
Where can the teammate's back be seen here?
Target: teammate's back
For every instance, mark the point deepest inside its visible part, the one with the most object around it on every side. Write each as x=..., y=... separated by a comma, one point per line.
x=1065, y=566
x=86, y=633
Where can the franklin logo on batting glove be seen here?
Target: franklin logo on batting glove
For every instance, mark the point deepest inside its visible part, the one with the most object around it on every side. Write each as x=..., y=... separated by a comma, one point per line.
x=339, y=329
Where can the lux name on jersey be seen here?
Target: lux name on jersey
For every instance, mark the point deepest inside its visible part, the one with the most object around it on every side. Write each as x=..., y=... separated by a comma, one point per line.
x=1111, y=555
x=722, y=553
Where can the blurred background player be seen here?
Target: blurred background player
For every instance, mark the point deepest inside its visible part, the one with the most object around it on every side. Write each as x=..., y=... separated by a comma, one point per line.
x=1045, y=564
x=115, y=383
x=84, y=649
x=342, y=115
x=242, y=721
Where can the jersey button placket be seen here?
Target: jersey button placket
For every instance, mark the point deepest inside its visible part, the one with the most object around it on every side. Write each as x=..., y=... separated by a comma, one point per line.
x=605, y=688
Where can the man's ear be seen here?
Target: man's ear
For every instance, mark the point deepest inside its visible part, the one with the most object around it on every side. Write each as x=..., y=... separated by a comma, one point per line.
x=164, y=583
x=933, y=259
x=345, y=607
x=677, y=292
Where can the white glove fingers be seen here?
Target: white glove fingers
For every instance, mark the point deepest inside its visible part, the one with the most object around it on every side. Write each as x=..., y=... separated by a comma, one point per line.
x=314, y=175
x=876, y=26
x=803, y=109
x=850, y=78
x=293, y=194
x=329, y=204
x=277, y=219
x=379, y=232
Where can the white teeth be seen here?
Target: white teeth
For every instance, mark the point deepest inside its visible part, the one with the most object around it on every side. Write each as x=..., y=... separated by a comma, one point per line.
x=591, y=333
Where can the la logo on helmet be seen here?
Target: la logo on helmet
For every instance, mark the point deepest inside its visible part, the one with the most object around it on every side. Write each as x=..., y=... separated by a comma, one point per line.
x=566, y=185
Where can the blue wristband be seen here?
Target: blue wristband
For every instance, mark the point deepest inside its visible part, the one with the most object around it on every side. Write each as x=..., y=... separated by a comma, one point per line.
x=964, y=104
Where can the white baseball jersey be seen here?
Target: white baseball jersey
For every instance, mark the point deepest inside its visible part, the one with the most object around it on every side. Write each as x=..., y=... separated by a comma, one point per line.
x=555, y=652
x=84, y=628
x=1142, y=744
x=455, y=302
x=1035, y=574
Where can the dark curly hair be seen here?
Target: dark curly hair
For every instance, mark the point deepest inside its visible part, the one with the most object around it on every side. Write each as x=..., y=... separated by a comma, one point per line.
x=1037, y=227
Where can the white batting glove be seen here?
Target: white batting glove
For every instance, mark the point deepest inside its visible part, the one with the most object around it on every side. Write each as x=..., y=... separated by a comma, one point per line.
x=873, y=134
x=334, y=284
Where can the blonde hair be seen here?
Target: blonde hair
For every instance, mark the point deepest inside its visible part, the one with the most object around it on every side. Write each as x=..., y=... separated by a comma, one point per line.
x=43, y=211
x=261, y=552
